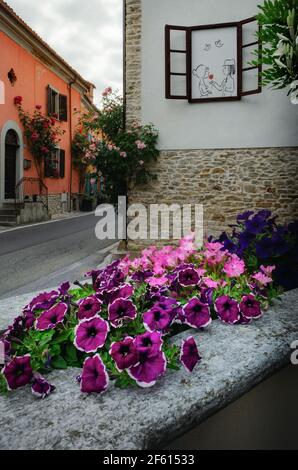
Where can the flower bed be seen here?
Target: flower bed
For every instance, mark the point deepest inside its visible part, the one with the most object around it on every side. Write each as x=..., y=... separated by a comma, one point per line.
x=119, y=327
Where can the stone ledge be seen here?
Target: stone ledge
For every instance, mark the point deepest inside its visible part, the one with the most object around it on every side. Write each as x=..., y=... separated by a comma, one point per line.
x=234, y=360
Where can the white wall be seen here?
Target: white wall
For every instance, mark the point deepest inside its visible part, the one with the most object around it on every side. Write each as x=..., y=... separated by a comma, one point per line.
x=263, y=120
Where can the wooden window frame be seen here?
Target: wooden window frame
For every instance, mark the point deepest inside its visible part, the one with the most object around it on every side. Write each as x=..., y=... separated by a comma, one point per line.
x=59, y=96
x=57, y=155
x=188, y=52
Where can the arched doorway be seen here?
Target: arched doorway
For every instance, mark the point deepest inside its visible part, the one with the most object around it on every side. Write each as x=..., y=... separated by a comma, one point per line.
x=10, y=168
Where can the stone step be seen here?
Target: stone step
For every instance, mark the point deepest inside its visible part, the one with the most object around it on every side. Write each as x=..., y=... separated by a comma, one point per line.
x=6, y=223
x=8, y=217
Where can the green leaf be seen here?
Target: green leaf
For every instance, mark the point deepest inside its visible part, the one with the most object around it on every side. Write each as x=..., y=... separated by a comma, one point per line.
x=59, y=363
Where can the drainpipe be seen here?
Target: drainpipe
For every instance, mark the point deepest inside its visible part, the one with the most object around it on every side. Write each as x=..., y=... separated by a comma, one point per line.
x=70, y=142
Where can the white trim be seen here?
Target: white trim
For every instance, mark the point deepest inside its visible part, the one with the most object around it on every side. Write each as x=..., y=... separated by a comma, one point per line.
x=10, y=125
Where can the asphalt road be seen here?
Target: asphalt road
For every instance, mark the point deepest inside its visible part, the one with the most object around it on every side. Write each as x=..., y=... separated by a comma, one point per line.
x=42, y=256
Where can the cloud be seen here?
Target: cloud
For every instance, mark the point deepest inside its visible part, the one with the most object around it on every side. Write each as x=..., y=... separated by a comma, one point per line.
x=87, y=34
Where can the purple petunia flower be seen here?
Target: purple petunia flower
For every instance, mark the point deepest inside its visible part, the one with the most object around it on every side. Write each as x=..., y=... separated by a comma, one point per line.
x=264, y=248
x=141, y=276
x=120, y=310
x=157, y=319
x=124, y=353
x=43, y=301
x=227, y=309
x=94, y=378
x=121, y=292
x=244, y=217
x=197, y=314
x=149, y=369
x=18, y=372
x=189, y=355
x=250, y=308
x=64, y=288
x=255, y=225
x=188, y=277
x=49, y=319
x=149, y=343
x=89, y=307
x=41, y=388
x=152, y=362
x=91, y=334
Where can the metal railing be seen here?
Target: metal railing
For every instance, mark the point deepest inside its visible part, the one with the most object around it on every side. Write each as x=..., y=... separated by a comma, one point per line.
x=29, y=190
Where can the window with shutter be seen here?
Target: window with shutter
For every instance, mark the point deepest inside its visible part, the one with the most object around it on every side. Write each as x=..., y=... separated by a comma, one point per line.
x=251, y=75
x=62, y=163
x=63, y=108
x=176, y=40
x=212, y=62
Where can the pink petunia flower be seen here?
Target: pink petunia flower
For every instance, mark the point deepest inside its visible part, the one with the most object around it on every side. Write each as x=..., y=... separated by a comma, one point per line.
x=234, y=267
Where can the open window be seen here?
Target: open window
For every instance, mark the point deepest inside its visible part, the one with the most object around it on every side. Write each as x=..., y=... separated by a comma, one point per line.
x=212, y=62
x=57, y=103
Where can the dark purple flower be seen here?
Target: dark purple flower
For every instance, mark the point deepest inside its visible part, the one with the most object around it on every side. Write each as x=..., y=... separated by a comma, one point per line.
x=227, y=309
x=207, y=296
x=157, y=319
x=250, y=308
x=89, y=307
x=124, y=353
x=28, y=320
x=255, y=225
x=264, y=214
x=141, y=276
x=149, y=343
x=180, y=316
x=197, y=314
x=188, y=277
x=18, y=372
x=17, y=327
x=91, y=334
x=279, y=245
x=245, y=239
x=49, y=319
x=64, y=288
x=41, y=388
x=94, y=378
x=264, y=248
x=122, y=292
x=152, y=362
x=244, y=217
x=120, y=310
x=43, y=301
x=189, y=355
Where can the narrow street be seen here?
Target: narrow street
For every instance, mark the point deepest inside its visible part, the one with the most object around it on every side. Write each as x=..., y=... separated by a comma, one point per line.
x=42, y=256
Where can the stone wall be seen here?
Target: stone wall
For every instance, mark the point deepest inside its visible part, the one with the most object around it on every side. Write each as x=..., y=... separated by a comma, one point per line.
x=55, y=204
x=225, y=181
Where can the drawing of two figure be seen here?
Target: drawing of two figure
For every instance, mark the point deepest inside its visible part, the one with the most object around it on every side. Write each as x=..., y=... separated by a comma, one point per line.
x=227, y=86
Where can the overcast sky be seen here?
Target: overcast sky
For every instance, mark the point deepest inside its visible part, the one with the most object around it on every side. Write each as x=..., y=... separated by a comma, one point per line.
x=86, y=33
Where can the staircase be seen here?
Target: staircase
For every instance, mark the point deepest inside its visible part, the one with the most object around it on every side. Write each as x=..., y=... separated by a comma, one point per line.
x=8, y=215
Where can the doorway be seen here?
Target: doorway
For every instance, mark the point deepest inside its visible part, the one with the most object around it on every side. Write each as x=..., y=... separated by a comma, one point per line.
x=10, y=168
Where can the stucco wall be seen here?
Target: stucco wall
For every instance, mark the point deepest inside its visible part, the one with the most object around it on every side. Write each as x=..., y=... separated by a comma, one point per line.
x=33, y=77
x=252, y=166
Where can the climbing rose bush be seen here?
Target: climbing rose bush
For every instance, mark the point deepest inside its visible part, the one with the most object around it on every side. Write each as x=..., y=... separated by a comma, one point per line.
x=121, y=325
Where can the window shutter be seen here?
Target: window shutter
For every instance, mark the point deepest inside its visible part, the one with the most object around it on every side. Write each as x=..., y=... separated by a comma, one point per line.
x=49, y=100
x=246, y=45
x=62, y=163
x=47, y=167
x=63, y=108
x=177, y=43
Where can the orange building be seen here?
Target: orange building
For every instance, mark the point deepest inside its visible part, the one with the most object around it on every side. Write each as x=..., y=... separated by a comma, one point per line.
x=30, y=68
